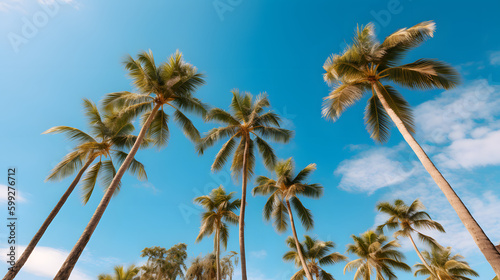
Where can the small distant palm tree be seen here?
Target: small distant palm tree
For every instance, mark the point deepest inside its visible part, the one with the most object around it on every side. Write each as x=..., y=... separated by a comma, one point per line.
x=170, y=84
x=444, y=266
x=121, y=273
x=250, y=124
x=316, y=253
x=107, y=140
x=284, y=189
x=368, y=66
x=409, y=219
x=376, y=257
x=219, y=210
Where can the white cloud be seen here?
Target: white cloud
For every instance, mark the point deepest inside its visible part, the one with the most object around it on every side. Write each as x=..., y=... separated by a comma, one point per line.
x=456, y=113
x=495, y=58
x=259, y=254
x=372, y=170
x=45, y=262
x=473, y=152
x=4, y=195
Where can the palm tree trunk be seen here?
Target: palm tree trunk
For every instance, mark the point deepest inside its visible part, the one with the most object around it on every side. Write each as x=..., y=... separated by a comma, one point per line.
x=422, y=258
x=297, y=244
x=217, y=256
x=70, y=262
x=477, y=233
x=241, y=222
x=11, y=274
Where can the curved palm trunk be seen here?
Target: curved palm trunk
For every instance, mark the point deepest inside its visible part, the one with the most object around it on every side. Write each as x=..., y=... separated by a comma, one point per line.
x=301, y=256
x=70, y=262
x=34, y=241
x=241, y=222
x=477, y=233
x=422, y=258
x=217, y=256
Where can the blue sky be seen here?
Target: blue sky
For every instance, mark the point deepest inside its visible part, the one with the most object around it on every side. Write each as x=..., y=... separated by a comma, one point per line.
x=56, y=53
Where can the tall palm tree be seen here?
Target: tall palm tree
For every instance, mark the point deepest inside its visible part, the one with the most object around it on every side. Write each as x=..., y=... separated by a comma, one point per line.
x=316, y=253
x=121, y=273
x=284, y=189
x=375, y=253
x=248, y=122
x=444, y=266
x=409, y=219
x=106, y=141
x=368, y=66
x=219, y=211
x=170, y=84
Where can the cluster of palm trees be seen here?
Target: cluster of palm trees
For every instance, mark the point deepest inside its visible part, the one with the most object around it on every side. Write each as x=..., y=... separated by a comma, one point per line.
x=168, y=89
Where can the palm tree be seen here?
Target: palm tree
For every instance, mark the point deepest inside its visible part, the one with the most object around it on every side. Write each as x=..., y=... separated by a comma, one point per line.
x=170, y=84
x=316, y=254
x=219, y=211
x=444, y=266
x=246, y=121
x=284, y=189
x=375, y=253
x=107, y=138
x=121, y=274
x=409, y=219
x=363, y=67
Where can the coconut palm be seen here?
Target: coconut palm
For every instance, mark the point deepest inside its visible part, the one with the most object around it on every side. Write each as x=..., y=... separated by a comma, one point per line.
x=368, y=66
x=93, y=158
x=121, y=273
x=247, y=122
x=284, y=190
x=170, y=84
x=219, y=211
x=376, y=256
x=316, y=254
x=444, y=266
x=409, y=219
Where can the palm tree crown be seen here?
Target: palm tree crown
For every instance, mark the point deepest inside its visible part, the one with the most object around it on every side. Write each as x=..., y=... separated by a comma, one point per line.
x=376, y=257
x=219, y=210
x=365, y=64
x=121, y=273
x=286, y=188
x=171, y=84
x=248, y=122
x=317, y=254
x=408, y=219
x=109, y=136
x=445, y=266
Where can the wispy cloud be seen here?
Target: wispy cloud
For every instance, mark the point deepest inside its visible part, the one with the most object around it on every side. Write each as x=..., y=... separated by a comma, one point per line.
x=258, y=254
x=4, y=195
x=495, y=58
x=45, y=262
x=372, y=170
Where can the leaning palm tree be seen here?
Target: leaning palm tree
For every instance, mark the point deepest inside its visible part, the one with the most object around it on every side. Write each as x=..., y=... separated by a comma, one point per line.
x=284, y=189
x=93, y=159
x=444, y=266
x=409, y=219
x=368, y=66
x=316, y=253
x=376, y=256
x=219, y=212
x=121, y=273
x=170, y=84
x=248, y=122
